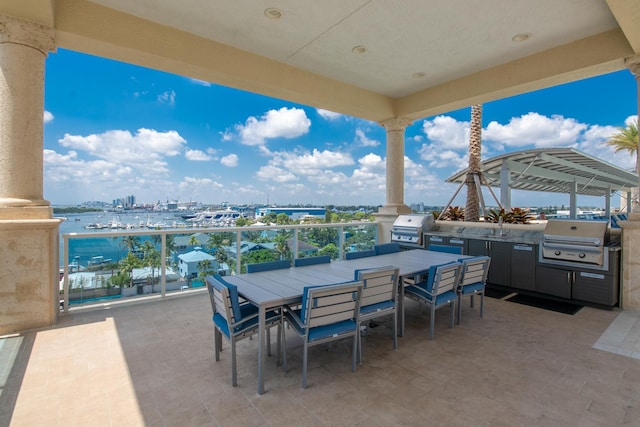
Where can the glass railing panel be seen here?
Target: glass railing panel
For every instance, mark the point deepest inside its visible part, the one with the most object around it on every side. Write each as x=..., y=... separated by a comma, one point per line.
x=318, y=241
x=360, y=237
x=263, y=245
x=104, y=265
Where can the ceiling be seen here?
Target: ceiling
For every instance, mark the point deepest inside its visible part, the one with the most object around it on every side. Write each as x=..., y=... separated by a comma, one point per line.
x=555, y=170
x=374, y=59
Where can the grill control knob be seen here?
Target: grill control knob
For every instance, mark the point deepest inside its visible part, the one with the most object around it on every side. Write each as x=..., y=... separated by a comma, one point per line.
x=557, y=253
x=581, y=255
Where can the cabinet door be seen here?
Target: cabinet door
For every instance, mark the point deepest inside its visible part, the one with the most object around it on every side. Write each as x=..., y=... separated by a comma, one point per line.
x=523, y=267
x=457, y=242
x=554, y=281
x=500, y=253
x=500, y=268
x=478, y=247
x=436, y=240
x=594, y=287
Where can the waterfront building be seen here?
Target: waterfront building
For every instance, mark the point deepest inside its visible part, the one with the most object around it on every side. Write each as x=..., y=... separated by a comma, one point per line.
x=293, y=213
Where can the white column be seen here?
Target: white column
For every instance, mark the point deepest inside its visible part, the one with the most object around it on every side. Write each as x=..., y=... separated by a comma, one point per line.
x=634, y=66
x=394, y=204
x=23, y=50
x=395, y=166
x=505, y=186
x=630, y=289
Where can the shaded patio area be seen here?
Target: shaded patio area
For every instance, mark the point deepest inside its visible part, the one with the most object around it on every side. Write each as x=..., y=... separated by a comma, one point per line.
x=152, y=364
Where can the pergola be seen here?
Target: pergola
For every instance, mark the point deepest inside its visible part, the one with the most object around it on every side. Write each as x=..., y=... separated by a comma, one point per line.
x=553, y=170
x=388, y=62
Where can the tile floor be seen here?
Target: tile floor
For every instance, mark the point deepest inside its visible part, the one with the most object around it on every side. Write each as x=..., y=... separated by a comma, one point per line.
x=152, y=364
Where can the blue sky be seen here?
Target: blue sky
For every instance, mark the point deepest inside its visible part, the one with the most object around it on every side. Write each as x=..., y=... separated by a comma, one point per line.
x=113, y=129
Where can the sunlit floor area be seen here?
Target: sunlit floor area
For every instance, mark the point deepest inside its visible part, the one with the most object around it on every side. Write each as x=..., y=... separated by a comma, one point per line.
x=152, y=364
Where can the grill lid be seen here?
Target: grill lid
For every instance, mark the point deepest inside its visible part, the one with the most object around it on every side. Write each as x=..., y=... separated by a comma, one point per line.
x=576, y=232
x=412, y=222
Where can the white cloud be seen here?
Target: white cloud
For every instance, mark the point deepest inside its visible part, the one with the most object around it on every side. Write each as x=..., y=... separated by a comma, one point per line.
x=363, y=141
x=275, y=174
x=168, y=97
x=535, y=129
x=328, y=115
x=197, y=155
x=446, y=132
x=145, y=150
x=227, y=135
x=230, y=161
x=282, y=123
x=310, y=163
x=47, y=117
x=200, y=82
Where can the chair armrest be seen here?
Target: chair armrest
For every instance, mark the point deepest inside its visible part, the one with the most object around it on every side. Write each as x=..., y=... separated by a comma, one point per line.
x=291, y=314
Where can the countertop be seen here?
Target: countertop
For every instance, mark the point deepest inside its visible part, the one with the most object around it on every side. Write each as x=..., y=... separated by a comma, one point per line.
x=515, y=233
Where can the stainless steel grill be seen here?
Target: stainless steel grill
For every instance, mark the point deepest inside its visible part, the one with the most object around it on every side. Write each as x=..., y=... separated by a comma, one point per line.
x=575, y=243
x=408, y=230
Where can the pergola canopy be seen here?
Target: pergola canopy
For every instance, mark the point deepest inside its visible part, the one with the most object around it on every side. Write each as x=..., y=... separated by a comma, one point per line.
x=554, y=170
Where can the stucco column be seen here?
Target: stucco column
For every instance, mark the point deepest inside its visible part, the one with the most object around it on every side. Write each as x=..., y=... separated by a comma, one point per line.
x=395, y=166
x=630, y=292
x=29, y=254
x=23, y=50
x=394, y=205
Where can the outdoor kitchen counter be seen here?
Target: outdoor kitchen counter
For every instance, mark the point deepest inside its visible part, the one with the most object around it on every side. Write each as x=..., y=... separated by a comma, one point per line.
x=513, y=233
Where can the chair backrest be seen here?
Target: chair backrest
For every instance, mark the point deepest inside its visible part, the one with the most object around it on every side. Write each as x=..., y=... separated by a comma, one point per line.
x=325, y=305
x=445, y=248
x=379, y=284
x=301, y=262
x=441, y=278
x=270, y=265
x=360, y=254
x=474, y=270
x=387, y=248
x=224, y=299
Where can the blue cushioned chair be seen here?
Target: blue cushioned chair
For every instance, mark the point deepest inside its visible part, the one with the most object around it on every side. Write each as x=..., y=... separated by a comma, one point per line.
x=379, y=298
x=236, y=321
x=266, y=266
x=327, y=313
x=457, y=250
x=301, y=262
x=438, y=290
x=473, y=280
x=360, y=254
x=387, y=248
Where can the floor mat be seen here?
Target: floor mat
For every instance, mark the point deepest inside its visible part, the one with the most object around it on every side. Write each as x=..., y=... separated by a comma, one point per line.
x=546, y=304
x=496, y=293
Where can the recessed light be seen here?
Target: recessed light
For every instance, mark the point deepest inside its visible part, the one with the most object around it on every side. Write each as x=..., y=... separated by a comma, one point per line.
x=273, y=13
x=418, y=75
x=521, y=37
x=359, y=49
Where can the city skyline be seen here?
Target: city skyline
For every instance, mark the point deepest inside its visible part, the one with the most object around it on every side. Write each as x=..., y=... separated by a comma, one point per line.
x=113, y=129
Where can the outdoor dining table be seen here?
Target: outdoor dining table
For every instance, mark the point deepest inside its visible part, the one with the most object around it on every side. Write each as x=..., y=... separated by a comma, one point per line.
x=275, y=288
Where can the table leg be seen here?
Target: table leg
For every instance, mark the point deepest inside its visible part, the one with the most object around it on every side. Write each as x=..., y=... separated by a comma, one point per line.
x=401, y=307
x=261, y=342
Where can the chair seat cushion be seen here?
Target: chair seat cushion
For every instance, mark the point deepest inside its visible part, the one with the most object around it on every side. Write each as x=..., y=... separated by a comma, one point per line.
x=335, y=329
x=380, y=306
x=472, y=288
x=325, y=331
x=246, y=310
x=419, y=291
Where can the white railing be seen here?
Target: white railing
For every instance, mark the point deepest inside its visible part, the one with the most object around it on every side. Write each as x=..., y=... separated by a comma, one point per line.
x=70, y=262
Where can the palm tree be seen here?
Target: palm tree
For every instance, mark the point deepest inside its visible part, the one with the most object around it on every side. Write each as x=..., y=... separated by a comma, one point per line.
x=130, y=243
x=472, y=208
x=626, y=139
